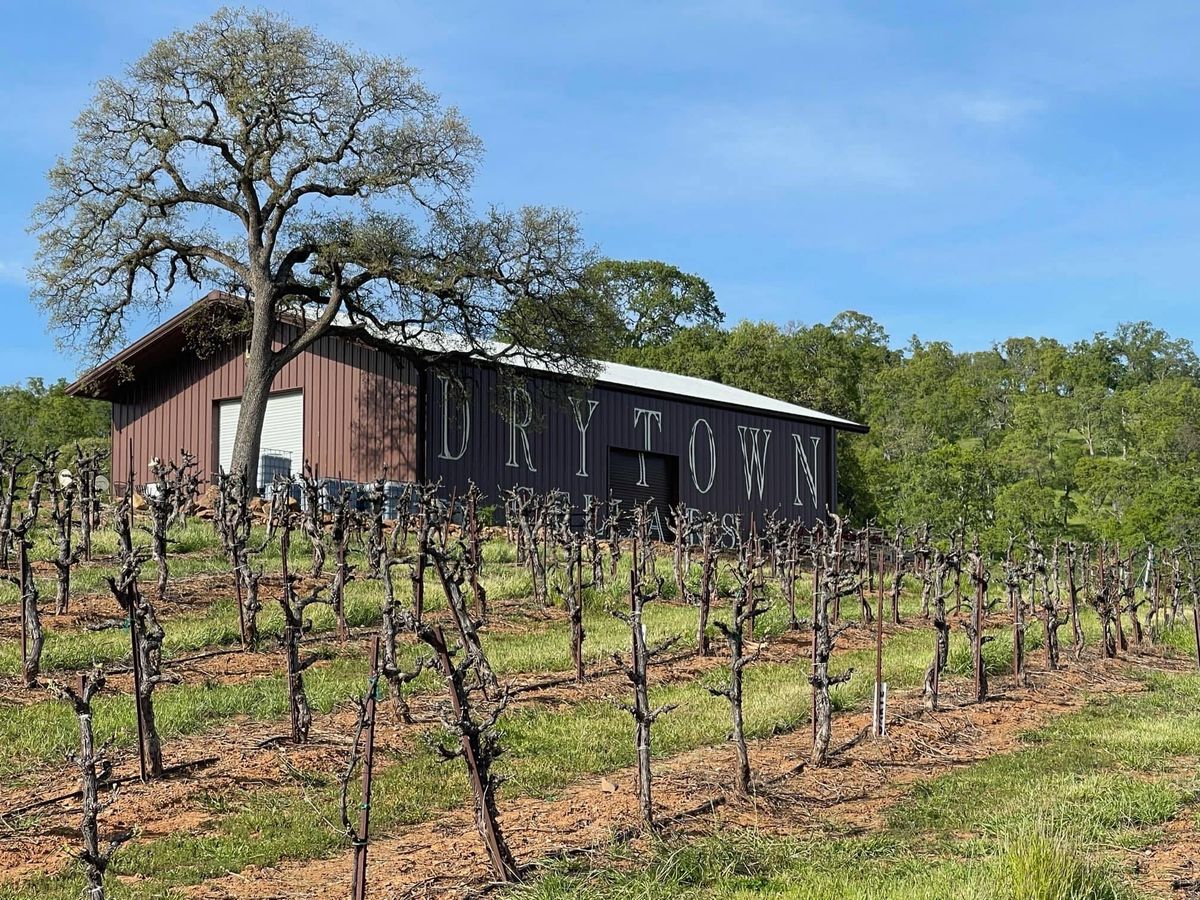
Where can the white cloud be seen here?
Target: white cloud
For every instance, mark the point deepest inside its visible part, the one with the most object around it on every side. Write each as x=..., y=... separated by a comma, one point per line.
x=889, y=142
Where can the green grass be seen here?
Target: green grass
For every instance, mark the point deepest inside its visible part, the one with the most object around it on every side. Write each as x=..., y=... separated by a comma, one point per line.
x=45, y=730
x=1045, y=864
x=743, y=864
x=1085, y=773
x=215, y=626
x=546, y=751
x=1042, y=823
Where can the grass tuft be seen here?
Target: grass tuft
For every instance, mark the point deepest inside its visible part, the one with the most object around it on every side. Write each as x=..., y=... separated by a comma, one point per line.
x=1042, y=863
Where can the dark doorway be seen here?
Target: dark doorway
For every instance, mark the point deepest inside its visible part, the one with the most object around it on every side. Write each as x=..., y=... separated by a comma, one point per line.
x=637, y=476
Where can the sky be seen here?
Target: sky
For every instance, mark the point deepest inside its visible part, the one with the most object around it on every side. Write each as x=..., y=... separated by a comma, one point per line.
x=964, y=171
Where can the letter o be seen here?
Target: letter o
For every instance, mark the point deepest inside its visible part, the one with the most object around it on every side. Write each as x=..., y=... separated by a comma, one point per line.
x=712, y=456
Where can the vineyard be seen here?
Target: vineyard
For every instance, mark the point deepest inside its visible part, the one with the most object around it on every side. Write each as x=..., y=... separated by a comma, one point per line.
x=379, y=691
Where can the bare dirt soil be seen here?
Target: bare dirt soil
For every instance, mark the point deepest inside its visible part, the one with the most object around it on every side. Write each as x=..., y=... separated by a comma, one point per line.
x=691, y=789
x=690, y=792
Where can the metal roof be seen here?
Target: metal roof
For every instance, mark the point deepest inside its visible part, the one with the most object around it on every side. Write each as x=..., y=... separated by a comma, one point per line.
x=98, y=381
x=712, y=391
x=633, y=377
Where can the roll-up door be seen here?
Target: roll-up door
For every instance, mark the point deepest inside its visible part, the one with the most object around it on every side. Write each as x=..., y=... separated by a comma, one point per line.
x=281, y=450
x=660, y=484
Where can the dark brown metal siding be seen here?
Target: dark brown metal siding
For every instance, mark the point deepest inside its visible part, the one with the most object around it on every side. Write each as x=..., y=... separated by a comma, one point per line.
x=554, y=444
x=361, y=414
x=360, y=409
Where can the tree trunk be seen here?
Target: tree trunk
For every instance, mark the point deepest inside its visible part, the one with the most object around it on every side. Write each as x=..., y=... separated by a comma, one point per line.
x=941, y=653
x=95, y=859
x=388, y=630
x=642, y=717
x=343, y=574
x=93, y=862
x=260, y=371
x=301, y=716
x=62, y=512
x=250, y=605
x=741, y=781
x=734, y=692
x=1073, y=596
x=707, y=567
x=979, y=575
x=576, y=611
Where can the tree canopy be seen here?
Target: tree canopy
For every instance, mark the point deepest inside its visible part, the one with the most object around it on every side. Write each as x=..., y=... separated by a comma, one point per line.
x=317, y=183
x=37, y=416
x=1096, y=439
x=650, y=302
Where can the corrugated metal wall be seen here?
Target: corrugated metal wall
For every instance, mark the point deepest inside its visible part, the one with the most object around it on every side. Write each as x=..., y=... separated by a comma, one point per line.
x=360, y=409
x=675, y=427
x=361, y=414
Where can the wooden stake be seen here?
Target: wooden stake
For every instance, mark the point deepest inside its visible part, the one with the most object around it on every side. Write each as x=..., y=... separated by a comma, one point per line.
x=1196, y=628
x=358, y=886
x=879, y=723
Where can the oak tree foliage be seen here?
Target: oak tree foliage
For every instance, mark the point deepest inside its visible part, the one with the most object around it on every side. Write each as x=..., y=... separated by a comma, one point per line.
x=314, y=183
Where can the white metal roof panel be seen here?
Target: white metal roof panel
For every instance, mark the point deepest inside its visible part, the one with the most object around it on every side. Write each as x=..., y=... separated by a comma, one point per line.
x=642, y=379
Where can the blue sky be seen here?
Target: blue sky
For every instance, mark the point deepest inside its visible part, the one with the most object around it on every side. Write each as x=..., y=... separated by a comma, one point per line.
x=960, y=170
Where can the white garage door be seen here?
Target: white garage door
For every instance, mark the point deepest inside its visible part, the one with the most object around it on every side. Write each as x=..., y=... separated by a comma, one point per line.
x=282, y=434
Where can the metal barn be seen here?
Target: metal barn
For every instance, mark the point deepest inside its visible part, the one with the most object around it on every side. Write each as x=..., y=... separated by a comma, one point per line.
x=356, y=410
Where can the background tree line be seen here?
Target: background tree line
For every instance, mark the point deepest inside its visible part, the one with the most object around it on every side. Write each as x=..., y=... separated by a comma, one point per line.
x=37, y=416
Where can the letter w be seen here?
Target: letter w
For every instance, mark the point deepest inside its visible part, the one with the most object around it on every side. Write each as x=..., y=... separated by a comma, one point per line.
x=754, y=457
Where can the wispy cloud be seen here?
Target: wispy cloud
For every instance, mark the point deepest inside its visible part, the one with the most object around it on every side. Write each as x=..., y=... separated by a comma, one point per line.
x=12, y=272
x=994, y=109
x=890, y=141
x=779, y=148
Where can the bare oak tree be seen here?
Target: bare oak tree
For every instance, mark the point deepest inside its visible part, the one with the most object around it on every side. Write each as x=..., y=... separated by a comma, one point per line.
x=314, y=184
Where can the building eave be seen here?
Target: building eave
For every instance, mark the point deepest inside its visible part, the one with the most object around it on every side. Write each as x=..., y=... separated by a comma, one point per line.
x=100, y=382
x=103, y=381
